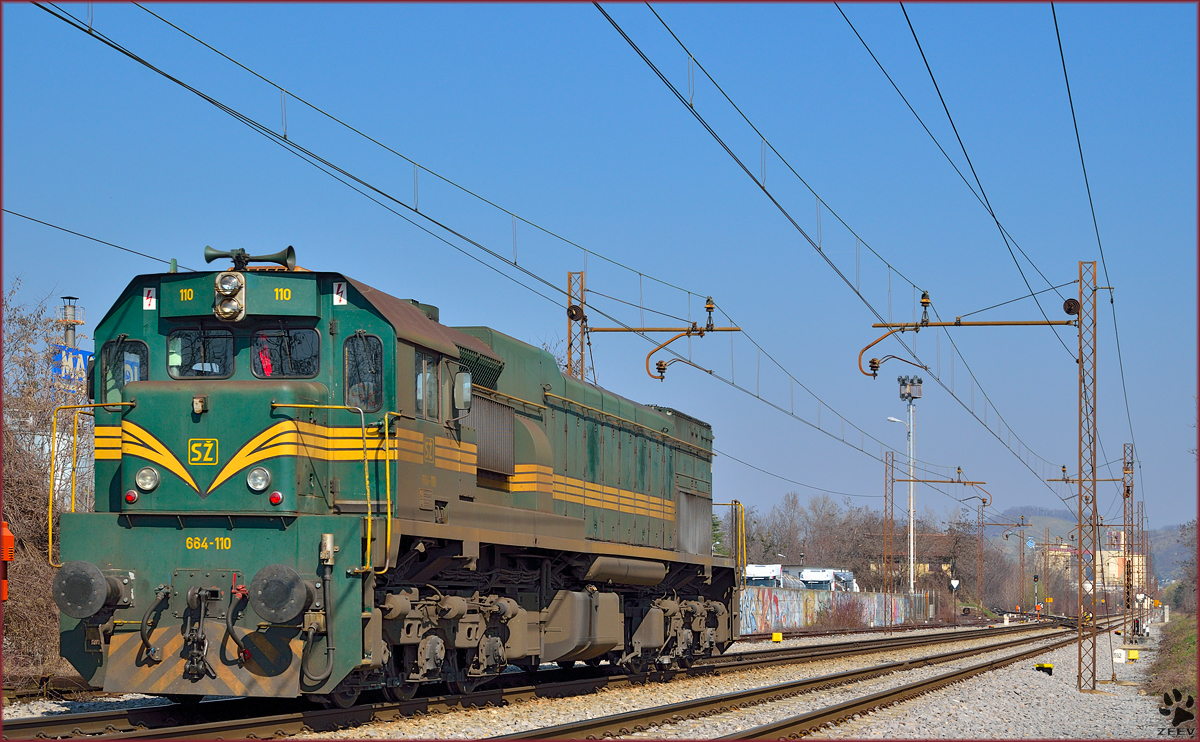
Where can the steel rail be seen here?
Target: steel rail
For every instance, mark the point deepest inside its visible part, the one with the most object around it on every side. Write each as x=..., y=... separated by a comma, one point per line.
x=798, y=726
x=642, y=719
x=860, y=646
x=232, y=717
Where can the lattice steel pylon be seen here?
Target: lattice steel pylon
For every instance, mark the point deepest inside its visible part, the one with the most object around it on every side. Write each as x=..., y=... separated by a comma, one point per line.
x=576, y=325
x=1142, y=559
x=1087, y=515
x=1127, y=539
x=889, y=521
x=979, y=555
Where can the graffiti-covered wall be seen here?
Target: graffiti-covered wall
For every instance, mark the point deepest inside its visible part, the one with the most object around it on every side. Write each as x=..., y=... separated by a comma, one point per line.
x=767, y=609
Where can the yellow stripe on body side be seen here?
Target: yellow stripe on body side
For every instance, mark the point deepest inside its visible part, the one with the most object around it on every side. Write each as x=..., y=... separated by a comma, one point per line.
x=139, y=442
x=591, y=494
x=108, y=442
x=343, y=444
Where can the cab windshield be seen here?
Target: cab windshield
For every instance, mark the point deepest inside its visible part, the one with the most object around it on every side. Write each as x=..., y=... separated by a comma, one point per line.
x=200, y=353
x=285, y=353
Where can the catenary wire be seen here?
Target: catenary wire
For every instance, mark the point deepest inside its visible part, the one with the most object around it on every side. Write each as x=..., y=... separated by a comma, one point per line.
x=351, y=181
x=93, y=239
x=977, y=195
x=766, y=192
x=1096, y=226
x=983, y=193
x=787, y=479
x=465, y=190
x=443, y=178
x=941, y=149
x=291, y=144
x=282, y=90
x=1019, y=298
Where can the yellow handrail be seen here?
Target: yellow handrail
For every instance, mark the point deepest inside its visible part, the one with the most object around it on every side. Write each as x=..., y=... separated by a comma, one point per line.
x=75, y=450
x=739, y=535
x=366, y=475
x=53, y=440
x=387, y=467
x=508, y=396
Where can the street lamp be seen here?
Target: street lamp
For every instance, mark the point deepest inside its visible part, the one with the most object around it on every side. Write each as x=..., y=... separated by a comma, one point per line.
x=954, y=589
x=910, y=389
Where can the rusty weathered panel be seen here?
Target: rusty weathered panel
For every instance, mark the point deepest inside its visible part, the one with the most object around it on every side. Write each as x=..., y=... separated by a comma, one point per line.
x=493, y=423
x=695, y=523
x=273, y=670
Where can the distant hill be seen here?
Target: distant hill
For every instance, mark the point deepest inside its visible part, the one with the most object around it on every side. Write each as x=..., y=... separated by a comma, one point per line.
x=1165, y=550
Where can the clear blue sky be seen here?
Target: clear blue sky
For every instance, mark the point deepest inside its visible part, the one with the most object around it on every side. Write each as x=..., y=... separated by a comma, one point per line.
x=548, y=112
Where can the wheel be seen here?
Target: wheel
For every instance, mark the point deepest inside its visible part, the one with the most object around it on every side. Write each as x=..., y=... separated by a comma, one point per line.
x=684, y=662
x=183, y=699
x=397, y=693
x=341, y=699
x=593, y=662
x=566, y=664
x=638, y=665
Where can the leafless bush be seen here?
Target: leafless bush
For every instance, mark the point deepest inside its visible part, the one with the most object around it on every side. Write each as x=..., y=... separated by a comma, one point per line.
x=839, y=615
x=31, y=392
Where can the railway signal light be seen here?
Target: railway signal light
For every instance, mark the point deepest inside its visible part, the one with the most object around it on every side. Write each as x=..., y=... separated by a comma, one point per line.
x=1035, y=578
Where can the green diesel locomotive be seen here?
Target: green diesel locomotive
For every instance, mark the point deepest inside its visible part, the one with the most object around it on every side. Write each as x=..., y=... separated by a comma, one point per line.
x=305, y=486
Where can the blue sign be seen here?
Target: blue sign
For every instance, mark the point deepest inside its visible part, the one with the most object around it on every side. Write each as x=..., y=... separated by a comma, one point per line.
x=71, y=363
x=1030, y=543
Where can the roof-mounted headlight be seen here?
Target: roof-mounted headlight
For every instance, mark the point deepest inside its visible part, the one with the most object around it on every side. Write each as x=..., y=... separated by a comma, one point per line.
x=228, y=308
x=229, y=304
x=229, y=283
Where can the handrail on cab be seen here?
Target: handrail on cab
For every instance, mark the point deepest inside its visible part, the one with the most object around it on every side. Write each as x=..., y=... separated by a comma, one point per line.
x=387, y=468
x=53, y=440
x=367, y=567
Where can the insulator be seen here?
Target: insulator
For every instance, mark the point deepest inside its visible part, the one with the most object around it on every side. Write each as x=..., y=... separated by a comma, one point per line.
x=874, y=364
x=661, y=367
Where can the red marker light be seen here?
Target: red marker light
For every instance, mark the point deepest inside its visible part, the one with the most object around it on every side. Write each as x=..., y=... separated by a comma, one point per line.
x=244, y=655
x=131, y=497
x=276, y=498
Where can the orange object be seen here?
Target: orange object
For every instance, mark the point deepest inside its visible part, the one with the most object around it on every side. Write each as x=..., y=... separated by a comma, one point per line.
x=7, y=552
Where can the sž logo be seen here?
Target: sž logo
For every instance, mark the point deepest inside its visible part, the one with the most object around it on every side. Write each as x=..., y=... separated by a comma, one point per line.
x=1182, y=713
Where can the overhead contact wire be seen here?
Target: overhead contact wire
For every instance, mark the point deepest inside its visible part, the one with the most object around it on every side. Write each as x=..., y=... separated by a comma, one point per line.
x=853, y=288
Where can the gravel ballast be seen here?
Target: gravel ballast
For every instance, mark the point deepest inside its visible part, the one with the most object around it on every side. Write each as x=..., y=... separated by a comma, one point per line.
x=1014, y=702
x=489, y=722
x=1018, y=702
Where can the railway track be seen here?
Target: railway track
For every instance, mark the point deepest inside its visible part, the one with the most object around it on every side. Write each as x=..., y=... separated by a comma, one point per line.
x=640, y=720
x=238, y=718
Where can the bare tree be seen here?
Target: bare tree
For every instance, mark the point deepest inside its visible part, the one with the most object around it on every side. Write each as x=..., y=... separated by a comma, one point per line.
x=31, y=392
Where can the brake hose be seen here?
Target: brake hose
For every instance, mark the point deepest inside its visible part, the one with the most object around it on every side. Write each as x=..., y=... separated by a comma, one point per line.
x=311, y=632
x=242, y=594
x=153, y=654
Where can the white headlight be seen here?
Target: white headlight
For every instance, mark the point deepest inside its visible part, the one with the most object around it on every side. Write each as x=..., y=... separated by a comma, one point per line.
x=229, y=283
x=146, y=479
x=229, y=308
x=258, y=479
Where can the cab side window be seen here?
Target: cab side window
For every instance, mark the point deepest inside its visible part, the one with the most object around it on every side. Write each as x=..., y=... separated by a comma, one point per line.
x=427, y=386
x=363, y=375
x=122, y=361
